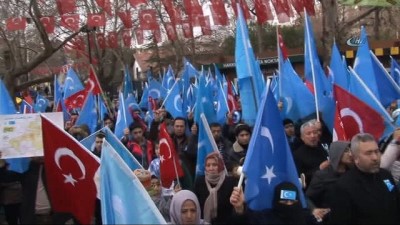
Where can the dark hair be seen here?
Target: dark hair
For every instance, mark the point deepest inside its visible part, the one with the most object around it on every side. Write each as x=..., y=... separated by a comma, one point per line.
x=242, y=127
x=215, y=125
x=287, y=121
x=134, y=125
x=101, y=134
x=180, y=118
x=107, y=117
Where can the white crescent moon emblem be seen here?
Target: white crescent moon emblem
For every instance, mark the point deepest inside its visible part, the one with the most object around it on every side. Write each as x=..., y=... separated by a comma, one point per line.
x=147, y=17
x=155, y=91
x=79, y=97
x=218, y=106
x=176, y=99
x=45, y=20
x=164, y=141
x=67, y=152
x=289, y=104
x=17, y=20
x=100, y=38
x=97, y=18
x=42, y=100
x=70, y=21
x=169, y=81
x=348, y=112
x=91, y=82
x=266, y=133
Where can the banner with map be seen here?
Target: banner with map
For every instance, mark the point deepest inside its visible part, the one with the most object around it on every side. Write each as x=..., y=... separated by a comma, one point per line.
x=21, y=134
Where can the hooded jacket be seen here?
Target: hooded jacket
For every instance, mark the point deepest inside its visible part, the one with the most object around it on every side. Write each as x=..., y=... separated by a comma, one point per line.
x=320, y=189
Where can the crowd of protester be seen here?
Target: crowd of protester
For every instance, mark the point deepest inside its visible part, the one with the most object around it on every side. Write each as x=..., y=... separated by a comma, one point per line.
x=345, y=182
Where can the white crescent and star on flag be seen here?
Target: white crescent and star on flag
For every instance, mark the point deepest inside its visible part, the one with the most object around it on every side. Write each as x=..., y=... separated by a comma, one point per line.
x=60, y=152
x=269, y=171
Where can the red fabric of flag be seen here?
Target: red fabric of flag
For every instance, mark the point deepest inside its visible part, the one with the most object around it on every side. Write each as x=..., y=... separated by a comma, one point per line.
x=263, y=11
x=70, y=22
x=139, y=36
x=282, y=46
x=171, y=31
x=309, y=5
x=112, y=39
x=76, y=100
x=148, y=19
x=105, y=5
x=101, y=40
x=357, y=116
x=206, y=26
x=126, y=18
x=187, y=29
x=66, y=6
x=243, y=5
x=70, y=170
x=93, y=84
x=339, y=134
x=136, y=3
x=16, y=23
x=126, y=38
x=96, y=20
x=48, y=23
x=170, y=167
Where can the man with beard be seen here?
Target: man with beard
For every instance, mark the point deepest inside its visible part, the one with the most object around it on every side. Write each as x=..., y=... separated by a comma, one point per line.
x=366, y=194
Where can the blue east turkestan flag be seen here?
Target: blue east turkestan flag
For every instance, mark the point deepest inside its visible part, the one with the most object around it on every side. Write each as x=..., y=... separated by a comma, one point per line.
x=126, y=155
x=72, y=83
x=395, y=70
x=124, y=118
x=269, y=159
x=173, y=102
x=246, y=71
x=340, y=73
x=124, y=200
x=204, y=146
x=127, y=85
x=88, y=114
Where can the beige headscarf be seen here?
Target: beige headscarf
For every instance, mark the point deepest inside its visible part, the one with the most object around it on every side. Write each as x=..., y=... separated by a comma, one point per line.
x=213, y=182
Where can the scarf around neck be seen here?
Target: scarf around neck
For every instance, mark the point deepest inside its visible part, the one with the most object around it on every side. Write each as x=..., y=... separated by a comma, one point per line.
x=213, y=182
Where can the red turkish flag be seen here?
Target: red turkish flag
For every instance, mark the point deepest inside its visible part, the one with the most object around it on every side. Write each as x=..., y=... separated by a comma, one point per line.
x=136, y=3
x=139, y=36
x=309, y=5
x=282, y=46
x=96, y=20
x=66, y=6
x=16, y=23
x=126, y=38
x=282, y=10
x=243, y=5
x=76, y=100
x=70, y=22
x=339, y=134
x=357, y=116
x=263, y=11
x=218, y=12
x=93, y=84
x=48, y=23
x=171, y=31
x=105, y=5
x=206, y=26
x=170, y=167
x=112, y=39
x=232, y=102
x=78, y=43
x=101, y=40
x=187, y=29
x=126, y=18
x=70, y=169
x=175, y=15
x=148, y=19
x=157, y=35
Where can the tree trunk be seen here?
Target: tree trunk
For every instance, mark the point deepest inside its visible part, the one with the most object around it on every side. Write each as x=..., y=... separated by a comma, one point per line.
x=329, y=27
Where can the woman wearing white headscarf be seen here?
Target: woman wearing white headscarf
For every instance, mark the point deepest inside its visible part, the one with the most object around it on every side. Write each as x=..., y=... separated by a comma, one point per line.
x=185, y=208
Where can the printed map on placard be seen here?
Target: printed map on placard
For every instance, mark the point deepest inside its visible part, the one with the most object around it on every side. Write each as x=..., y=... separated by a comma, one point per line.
x=21, y=134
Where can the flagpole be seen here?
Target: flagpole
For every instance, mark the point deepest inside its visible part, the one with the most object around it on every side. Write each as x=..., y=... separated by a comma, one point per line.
x=209, y=135
x=176, y=172
x=168, y=93
x=223, y=93
x=279, y=64
x=312, y=65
